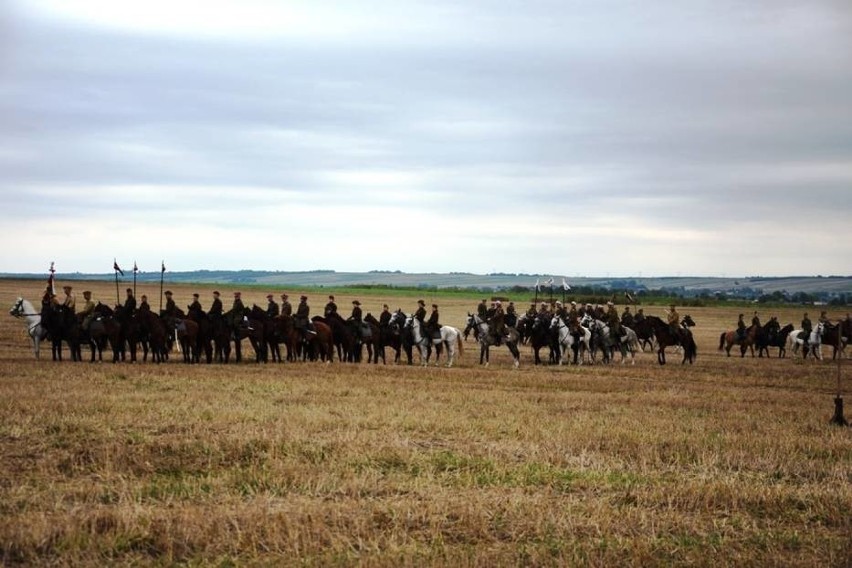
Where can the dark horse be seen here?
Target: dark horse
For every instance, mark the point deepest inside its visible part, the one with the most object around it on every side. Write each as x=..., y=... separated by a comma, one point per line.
x=344, y=338
x=539, y=334
x=399, y=338
x=665, y=338
x=644, y=332
x=773, y=337
x=153, y=329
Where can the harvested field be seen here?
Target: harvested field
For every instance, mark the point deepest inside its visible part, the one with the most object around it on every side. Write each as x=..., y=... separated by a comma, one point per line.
x=729, y=461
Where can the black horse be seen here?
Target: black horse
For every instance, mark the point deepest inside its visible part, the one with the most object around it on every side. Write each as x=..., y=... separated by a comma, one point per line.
x=666, y=337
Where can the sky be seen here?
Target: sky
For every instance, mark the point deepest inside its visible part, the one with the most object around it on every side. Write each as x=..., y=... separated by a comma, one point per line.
x=622, y=138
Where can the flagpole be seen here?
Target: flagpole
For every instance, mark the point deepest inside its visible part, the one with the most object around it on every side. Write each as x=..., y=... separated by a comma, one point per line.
x=135, y=270
x=162, y=273
x=52, y=283
x=536, y=293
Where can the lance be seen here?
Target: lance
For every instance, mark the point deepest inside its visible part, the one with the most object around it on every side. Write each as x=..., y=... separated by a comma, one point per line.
x=135, y=270
x=550, y=282
x=162, y=273
x=117, y=269
x=51, y=279
x=536, y=292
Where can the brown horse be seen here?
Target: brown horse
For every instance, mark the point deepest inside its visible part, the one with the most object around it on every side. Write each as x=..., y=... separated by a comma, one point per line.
x=665, y=338
x=730, y=338
x=153, y=330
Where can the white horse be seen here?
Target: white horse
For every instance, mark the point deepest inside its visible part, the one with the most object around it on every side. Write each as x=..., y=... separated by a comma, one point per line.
x=24, y=309
x=626, y=344
x=814, y=340
x=450, y=336
x=486, y=341
x=566, y=341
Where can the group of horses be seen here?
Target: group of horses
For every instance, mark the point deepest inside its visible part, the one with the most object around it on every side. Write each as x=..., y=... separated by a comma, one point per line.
x=592, y=337
x=201, y=337
x=773, y=335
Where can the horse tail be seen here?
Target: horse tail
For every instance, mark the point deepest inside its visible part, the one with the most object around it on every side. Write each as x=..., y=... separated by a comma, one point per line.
x=460, y=344
x=722, y=340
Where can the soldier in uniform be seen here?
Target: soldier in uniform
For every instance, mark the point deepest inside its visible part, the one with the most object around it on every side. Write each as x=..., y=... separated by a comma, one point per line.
x=497, y=325
x=573, y=318
x=511, y=315
x=215, y=308
x=482, y=309
x=87, y=314
x=432, y=326
x=741, y=328
x=70, y=302
x=272, y=309
x=807, y=328
x=420, y=314
x=673, y=319
x=143, y=305
x=303, y=317
x=170, y=304
x=614, y=322
x=640, y=316
x=286, y=306
x=755, y=321
x=385, y=316
x=129, y=303
x=330, y=307
x=357, y=317
x=531, y=311
x=195, y=305
x=823, y=317
x=543, y=311
x=560, y=309
x=237, y=310
x=627, y=317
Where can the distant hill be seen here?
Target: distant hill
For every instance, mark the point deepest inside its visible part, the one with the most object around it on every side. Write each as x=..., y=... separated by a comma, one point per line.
x=820, y=287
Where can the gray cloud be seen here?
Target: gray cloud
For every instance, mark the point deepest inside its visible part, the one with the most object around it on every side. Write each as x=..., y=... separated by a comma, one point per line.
x=524, y=131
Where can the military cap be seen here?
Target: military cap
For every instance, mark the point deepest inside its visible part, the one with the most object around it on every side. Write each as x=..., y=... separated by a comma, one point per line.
x=421, y=302
x=195, y=295
x=303, y=298
x=356, y=302
x=129, y=290
x=87, y=292
x=435, y=306
x=609, y=303
x=498, y=303
x=284, y=296
x=558, y=303
x=331, y=297
x=385, y=306
x=66, y=287
x=215, y=292
x=169, y=292
x=573, y=303
x=269, y=296
x=237, y=294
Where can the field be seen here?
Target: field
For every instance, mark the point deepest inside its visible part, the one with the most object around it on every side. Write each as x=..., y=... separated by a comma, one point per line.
x=728, y=462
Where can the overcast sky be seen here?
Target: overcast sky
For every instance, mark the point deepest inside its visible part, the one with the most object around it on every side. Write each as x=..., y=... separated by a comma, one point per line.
x=544, y=136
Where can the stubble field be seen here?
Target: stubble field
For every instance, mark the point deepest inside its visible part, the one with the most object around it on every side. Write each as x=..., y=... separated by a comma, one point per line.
x=726, y=462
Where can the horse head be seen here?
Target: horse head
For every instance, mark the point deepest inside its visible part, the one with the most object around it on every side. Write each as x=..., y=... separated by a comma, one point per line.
x=687, y=321
x=554, y=323
x=17, y=308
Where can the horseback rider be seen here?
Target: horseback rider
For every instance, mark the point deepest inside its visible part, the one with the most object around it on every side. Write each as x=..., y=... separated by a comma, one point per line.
x=357, y=318
x=385, y=316
x=573, y=318
x=303, y=318
x=673, y=319
x=755, y=321
x=87, y=314
x=286, y=306
x=627, y=317
x=330, y=307
x=70, y=302
x=143, y=305
x=823, y=317
x=195, y=306
x=482, y=309
x=497, y=324
x=129, y=303
x=640, y=316
x=531, y=311
x=433, y=328
x=216, y=308
x=614, y=322
x=420, y=314
x=238, y=311
x=807, y=328
x=741, y=328
x=543, y=312
x=171, y=308
x=272, y=309
x=511, y=315
x=560, y=309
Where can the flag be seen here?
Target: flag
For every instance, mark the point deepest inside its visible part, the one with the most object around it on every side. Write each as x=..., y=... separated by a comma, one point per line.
x=134, y=267
x=550, y=282
x=630, y=299
x=163, y=267
x=565, y=285
x=536, y=285
x=116, y=267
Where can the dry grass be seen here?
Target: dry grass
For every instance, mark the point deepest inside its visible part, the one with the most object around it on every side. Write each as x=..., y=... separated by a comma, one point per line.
x=728, y=462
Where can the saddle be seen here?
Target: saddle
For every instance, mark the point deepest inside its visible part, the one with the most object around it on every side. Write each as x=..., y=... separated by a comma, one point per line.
x=366, y=331
x=803, y=335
